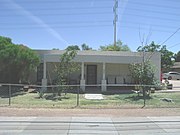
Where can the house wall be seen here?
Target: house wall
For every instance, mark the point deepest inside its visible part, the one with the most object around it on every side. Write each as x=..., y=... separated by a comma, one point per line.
x=117, y=69
x=112, y=70
x=155, y=58
x=116, y=63
x=118, y=74
x=51, y=74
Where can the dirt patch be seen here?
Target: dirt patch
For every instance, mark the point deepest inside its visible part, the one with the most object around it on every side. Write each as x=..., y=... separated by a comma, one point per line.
x=48, y=112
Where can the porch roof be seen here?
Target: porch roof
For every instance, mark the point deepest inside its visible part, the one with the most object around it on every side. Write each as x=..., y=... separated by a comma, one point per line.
x=94, y=56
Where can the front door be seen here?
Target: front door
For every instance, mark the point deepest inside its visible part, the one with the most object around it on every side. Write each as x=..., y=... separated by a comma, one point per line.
x=91, y=74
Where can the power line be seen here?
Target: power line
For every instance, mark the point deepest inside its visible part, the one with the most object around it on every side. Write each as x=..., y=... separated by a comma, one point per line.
x=152, y=5
x=174, y=45
x=143, y=28
x=134, y=9
x=56, y=22
x=78, y=26
x=170, y=36
x=87, y=22
x=155, y=25
x=55, y=26
x=56, y=14
x=53, y=1
x=89, y=13
x=59, y=8
x=152, y=17
x=152, y=11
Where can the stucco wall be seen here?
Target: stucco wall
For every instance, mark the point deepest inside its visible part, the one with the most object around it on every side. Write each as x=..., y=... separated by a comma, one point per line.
x=116, y=62
x=156, y=61
x=51, y=74
x=118, y=73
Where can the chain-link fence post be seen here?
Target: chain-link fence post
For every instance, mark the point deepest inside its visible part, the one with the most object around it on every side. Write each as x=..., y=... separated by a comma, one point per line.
x=9, y=94
x=77, y=95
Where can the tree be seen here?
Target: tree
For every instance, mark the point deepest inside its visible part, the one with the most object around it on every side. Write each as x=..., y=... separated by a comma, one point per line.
x=55, y=49
x=166, y=59
x=64, y=68
x=144, y=75
x=17, y=61
x=177, y=57
x=85, y=47
x=73, y=47
x=119, y=47
x=152, y=47
x=166, y=55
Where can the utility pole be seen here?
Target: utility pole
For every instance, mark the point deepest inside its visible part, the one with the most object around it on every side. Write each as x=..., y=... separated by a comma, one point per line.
x=115, y=19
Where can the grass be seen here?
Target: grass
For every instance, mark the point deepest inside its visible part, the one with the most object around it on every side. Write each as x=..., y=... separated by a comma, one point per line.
x=109, y=101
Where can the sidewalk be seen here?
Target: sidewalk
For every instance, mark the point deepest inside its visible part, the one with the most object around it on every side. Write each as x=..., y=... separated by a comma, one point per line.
x=90, y=125
x=168, y=91
x=78, y=112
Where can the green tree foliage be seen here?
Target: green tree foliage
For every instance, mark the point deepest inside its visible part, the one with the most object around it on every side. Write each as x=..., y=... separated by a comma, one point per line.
x=64, y=69
x=143, y=73
x=16, y=61
x=85, y=47
x=119, y=47
x=149, y=48
x=72, y=47
x=177, y=57
x=55, y=49
x=167, y=59
x=166, y=55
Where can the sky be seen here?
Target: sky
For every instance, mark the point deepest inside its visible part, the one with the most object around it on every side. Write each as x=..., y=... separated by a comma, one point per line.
x=48, y=24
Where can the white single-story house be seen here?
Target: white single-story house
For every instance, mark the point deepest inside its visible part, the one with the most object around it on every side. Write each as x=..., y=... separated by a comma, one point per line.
x=97, y=67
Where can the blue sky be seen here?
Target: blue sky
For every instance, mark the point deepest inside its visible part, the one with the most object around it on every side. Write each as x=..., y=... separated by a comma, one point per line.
x=47, y=24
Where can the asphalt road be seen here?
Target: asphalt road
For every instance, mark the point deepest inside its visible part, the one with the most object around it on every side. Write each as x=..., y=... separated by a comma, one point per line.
x=90, y=125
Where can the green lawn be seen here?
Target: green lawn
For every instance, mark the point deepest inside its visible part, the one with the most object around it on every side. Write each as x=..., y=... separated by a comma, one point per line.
x=109, y=101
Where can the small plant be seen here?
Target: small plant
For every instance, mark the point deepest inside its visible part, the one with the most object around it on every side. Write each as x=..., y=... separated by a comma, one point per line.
x=167, y=84
x=41, y=92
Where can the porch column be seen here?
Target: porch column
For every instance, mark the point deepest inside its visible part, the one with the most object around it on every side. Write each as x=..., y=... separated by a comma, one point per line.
x=44, y=80
x=82, y=82
x=103, y=82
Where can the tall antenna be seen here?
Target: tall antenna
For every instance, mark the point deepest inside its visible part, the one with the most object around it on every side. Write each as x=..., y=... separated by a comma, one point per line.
x=115, y=19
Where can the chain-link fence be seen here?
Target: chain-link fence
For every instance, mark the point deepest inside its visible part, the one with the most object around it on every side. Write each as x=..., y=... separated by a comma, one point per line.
x=70, y=96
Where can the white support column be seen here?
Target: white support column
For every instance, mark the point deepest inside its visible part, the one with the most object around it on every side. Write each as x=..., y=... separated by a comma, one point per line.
x=82, y=82
x=104, y=71
x=103, y=82
x=44, y=80
x=82, y=71
x=44, y=69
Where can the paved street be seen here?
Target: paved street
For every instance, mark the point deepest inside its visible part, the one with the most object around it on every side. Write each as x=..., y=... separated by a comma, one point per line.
x=90, y=125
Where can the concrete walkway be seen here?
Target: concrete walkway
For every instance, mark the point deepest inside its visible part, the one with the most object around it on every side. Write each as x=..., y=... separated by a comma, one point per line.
x=94, y=96
x=90, y=125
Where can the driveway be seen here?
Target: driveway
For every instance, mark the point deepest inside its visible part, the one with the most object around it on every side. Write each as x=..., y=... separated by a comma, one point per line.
x=176, y=84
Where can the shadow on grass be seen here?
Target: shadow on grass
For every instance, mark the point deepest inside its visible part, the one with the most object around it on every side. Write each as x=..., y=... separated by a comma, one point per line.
x=53, y=97
x=5, y=92
x=136, y=98
x=6, y=95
